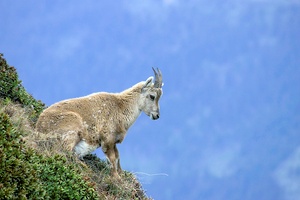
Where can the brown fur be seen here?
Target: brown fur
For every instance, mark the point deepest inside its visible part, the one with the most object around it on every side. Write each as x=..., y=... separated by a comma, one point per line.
x=100, y=119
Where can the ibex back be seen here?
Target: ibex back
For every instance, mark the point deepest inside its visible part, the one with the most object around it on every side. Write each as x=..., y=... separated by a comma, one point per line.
x=101, y=119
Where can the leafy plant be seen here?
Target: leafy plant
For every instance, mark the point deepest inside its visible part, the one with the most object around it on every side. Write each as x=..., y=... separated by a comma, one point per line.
x=63, y=180
x=11, y=88
x=18, y=177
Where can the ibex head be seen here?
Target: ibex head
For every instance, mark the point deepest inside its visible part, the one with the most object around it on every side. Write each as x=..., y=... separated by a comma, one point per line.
x=151, y=93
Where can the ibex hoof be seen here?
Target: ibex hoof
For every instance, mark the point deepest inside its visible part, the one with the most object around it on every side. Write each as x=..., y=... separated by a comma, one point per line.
x=116, y=175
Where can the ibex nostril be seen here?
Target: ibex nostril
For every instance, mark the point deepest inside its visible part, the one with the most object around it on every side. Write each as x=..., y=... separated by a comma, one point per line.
x=155, y=117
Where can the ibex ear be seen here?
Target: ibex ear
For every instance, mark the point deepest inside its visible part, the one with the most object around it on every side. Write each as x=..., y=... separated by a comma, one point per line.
x=148, y=83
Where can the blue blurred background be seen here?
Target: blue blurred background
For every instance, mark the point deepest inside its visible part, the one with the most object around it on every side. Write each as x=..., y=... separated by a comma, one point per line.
x=230, y=122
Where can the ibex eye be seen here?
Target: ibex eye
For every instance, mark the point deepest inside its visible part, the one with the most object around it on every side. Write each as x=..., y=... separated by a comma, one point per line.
x=152, y=97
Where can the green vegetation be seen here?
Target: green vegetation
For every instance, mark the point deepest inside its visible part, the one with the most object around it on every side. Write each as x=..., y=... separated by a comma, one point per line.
x=24, y=174
x=11, y=88
x=36, y=168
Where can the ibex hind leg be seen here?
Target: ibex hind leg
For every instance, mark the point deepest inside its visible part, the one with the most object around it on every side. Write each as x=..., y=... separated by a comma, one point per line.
x=69, y=139
x=72, y=130
x=62, y=128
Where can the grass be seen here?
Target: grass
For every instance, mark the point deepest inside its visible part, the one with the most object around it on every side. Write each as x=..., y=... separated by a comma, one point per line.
x=32, y=167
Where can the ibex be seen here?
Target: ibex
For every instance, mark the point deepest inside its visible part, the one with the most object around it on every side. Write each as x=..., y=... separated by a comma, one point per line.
x=101, y=119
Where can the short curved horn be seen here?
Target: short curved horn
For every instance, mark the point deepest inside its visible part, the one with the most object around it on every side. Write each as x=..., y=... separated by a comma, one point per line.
x=158, y=78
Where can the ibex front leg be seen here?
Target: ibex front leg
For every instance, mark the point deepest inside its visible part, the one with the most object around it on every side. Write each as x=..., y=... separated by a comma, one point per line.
x=118, y=160
x=109, y=151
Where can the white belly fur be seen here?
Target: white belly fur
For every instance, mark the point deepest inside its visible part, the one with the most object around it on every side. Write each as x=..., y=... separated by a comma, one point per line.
x=83, y=148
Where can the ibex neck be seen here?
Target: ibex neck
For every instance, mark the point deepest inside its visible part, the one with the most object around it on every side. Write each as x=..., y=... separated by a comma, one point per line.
x=130, y=100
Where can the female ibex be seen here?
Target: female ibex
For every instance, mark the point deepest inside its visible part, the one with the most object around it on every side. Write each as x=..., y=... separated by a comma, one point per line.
x=101, y=119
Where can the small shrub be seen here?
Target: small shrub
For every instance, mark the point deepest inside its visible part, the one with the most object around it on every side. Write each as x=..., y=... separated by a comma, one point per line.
x=63, y=181
x=18, y=178
x=11, y=88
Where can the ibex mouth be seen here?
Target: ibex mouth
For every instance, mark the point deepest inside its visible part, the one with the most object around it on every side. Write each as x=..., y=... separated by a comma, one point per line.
x=154, y=116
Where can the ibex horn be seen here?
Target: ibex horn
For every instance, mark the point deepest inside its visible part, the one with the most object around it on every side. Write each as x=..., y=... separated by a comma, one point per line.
x=158, y=78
